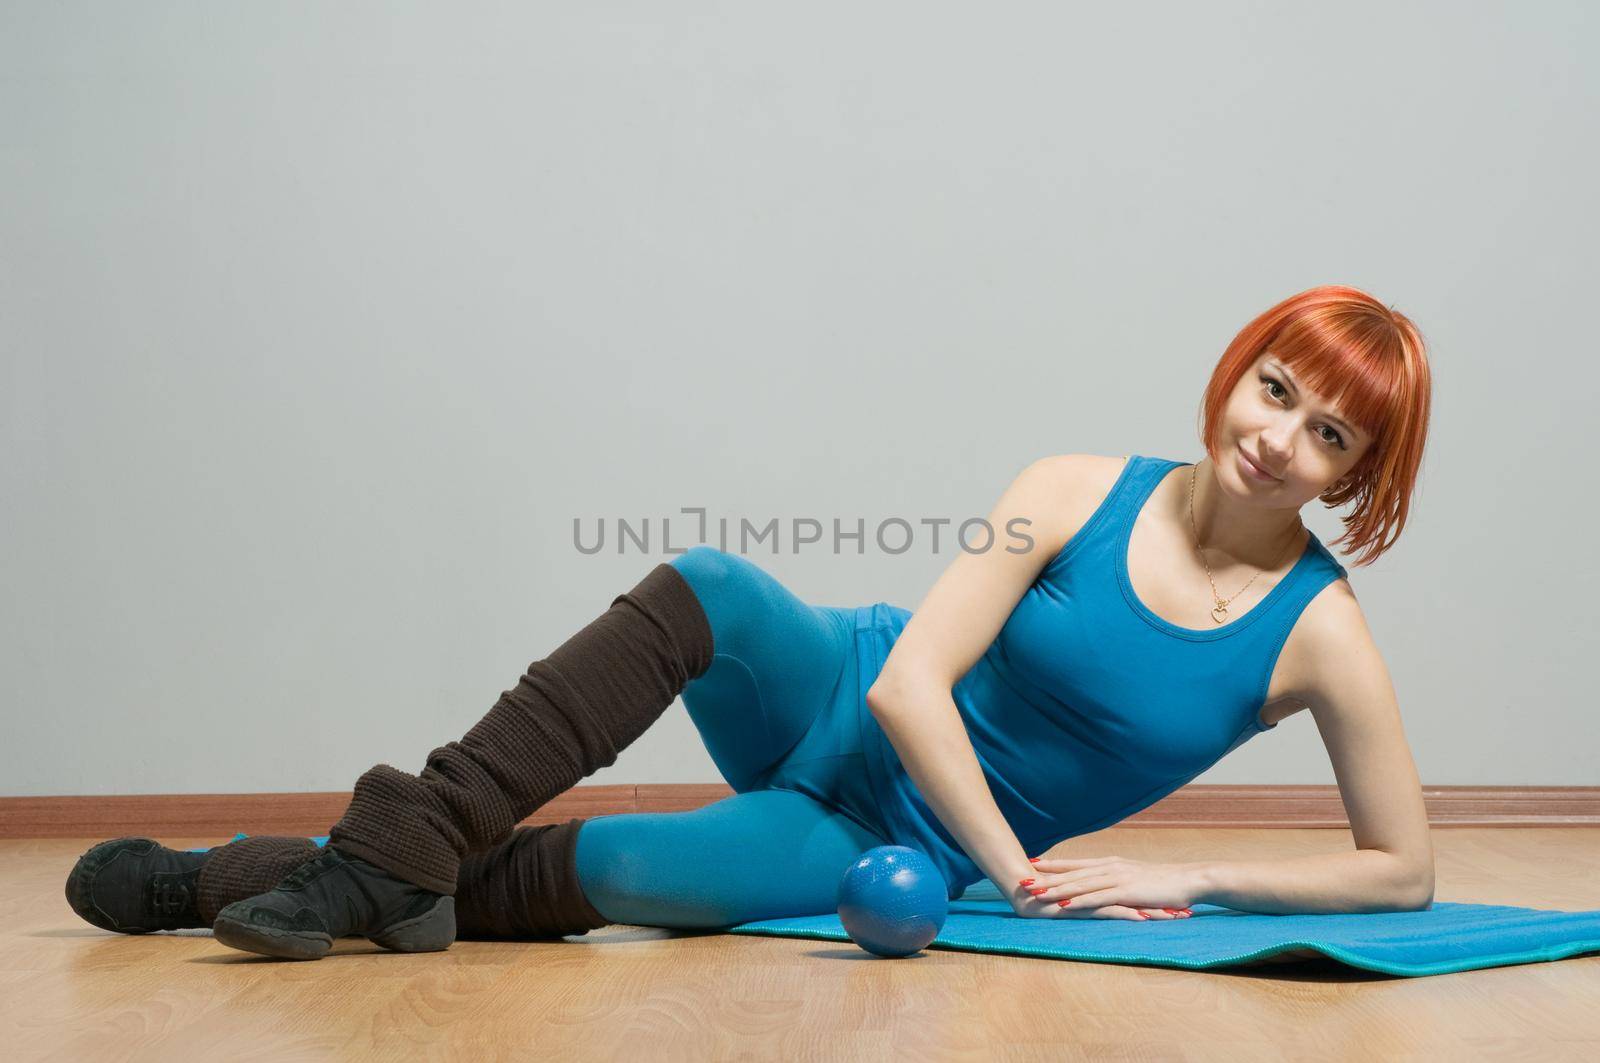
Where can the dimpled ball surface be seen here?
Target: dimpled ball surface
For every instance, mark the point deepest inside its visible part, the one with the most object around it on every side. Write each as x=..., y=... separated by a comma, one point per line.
x=893, y=901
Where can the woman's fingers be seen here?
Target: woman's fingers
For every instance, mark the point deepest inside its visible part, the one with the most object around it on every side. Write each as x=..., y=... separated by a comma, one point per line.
x=1122, y=911
x=1075, y=887
x=1106, y=911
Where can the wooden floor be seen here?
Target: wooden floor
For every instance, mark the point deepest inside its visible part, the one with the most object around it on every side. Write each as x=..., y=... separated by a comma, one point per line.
x=69, y=991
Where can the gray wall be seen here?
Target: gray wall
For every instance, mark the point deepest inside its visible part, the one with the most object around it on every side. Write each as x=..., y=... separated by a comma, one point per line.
x=321, y=323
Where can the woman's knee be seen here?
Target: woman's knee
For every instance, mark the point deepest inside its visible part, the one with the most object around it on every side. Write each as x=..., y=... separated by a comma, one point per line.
x=733, y=591
x=706, y=567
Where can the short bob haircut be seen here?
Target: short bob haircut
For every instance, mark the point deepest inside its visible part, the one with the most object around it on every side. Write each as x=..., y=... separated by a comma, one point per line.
x=1371, y=362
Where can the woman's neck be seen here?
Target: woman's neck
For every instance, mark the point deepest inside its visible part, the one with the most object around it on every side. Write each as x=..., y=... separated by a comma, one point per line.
x=1254, y=536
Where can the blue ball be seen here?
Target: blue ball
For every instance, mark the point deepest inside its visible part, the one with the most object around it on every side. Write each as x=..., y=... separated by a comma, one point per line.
x=893, y=901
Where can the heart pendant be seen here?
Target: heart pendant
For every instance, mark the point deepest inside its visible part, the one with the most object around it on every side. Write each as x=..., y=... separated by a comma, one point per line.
x=1220, y=614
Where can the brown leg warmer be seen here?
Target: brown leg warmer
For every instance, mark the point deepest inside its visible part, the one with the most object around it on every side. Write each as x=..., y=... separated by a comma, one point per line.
x=567, y=717
x=525, y=887
x=247, y=867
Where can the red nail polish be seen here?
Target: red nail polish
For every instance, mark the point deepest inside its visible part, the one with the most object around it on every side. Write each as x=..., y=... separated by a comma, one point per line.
x=1063, y=904
x=1143, y=916
x=1026, y=882
x=1034, y=859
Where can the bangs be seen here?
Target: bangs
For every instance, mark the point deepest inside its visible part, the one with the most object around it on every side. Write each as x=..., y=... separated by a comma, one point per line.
x=1348, y=356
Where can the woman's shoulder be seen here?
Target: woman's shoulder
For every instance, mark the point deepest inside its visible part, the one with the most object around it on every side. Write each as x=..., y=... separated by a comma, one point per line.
x=1071, y=488
x=1085, y=468
x=1083, y=477
x=1330, y=629
x=1333, y=618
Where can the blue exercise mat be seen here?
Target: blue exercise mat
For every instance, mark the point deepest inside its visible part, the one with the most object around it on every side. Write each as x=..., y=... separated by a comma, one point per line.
x=321, y=839
x=1447, y=937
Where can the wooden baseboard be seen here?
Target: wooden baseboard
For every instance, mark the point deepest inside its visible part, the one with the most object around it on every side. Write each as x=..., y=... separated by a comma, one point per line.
x=196, y=815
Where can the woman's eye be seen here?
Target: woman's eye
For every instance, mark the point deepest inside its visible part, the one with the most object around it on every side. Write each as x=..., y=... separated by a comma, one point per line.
x=1337, y=439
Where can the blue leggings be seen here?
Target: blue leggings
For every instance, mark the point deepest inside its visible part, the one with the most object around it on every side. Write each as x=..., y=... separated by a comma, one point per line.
x=776, y=711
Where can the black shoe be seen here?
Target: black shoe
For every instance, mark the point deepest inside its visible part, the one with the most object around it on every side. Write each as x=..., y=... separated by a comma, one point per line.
x=136, y=885
x=336, y=895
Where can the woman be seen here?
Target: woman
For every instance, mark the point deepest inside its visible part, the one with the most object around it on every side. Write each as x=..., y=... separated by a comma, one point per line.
x=1035, y=695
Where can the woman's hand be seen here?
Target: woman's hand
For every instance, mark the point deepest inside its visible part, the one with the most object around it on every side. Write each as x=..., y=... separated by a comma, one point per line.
x=1105, y=887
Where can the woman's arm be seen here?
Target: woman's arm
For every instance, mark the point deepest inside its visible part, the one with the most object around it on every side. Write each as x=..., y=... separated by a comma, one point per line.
x=926, y=730
x=1367, y=880
x=961, y=615
x=1352, y=699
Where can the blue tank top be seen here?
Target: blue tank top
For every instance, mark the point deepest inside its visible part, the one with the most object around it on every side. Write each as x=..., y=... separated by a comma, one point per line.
x=1088, y=707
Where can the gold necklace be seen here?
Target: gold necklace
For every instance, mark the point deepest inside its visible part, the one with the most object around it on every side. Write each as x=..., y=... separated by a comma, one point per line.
x=1220, y=612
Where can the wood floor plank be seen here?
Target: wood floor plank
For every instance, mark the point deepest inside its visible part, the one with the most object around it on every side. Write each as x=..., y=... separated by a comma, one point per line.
x=72, y=992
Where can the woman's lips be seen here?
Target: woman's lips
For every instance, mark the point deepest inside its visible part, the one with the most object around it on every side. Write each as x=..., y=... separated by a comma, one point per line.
x=1254, y=471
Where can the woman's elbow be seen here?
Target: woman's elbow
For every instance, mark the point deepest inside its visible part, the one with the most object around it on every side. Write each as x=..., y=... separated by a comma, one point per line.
x=891, y=690
x=878, y=697
x=1422, y=895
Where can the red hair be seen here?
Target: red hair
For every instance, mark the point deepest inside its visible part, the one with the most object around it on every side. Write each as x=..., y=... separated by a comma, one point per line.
x=1371, y=362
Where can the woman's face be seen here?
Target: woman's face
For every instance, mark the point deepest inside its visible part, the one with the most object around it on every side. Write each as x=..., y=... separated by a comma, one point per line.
x=1300, y=440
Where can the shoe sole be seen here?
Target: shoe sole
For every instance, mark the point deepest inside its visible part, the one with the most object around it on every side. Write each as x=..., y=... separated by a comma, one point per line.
x=432, y=931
